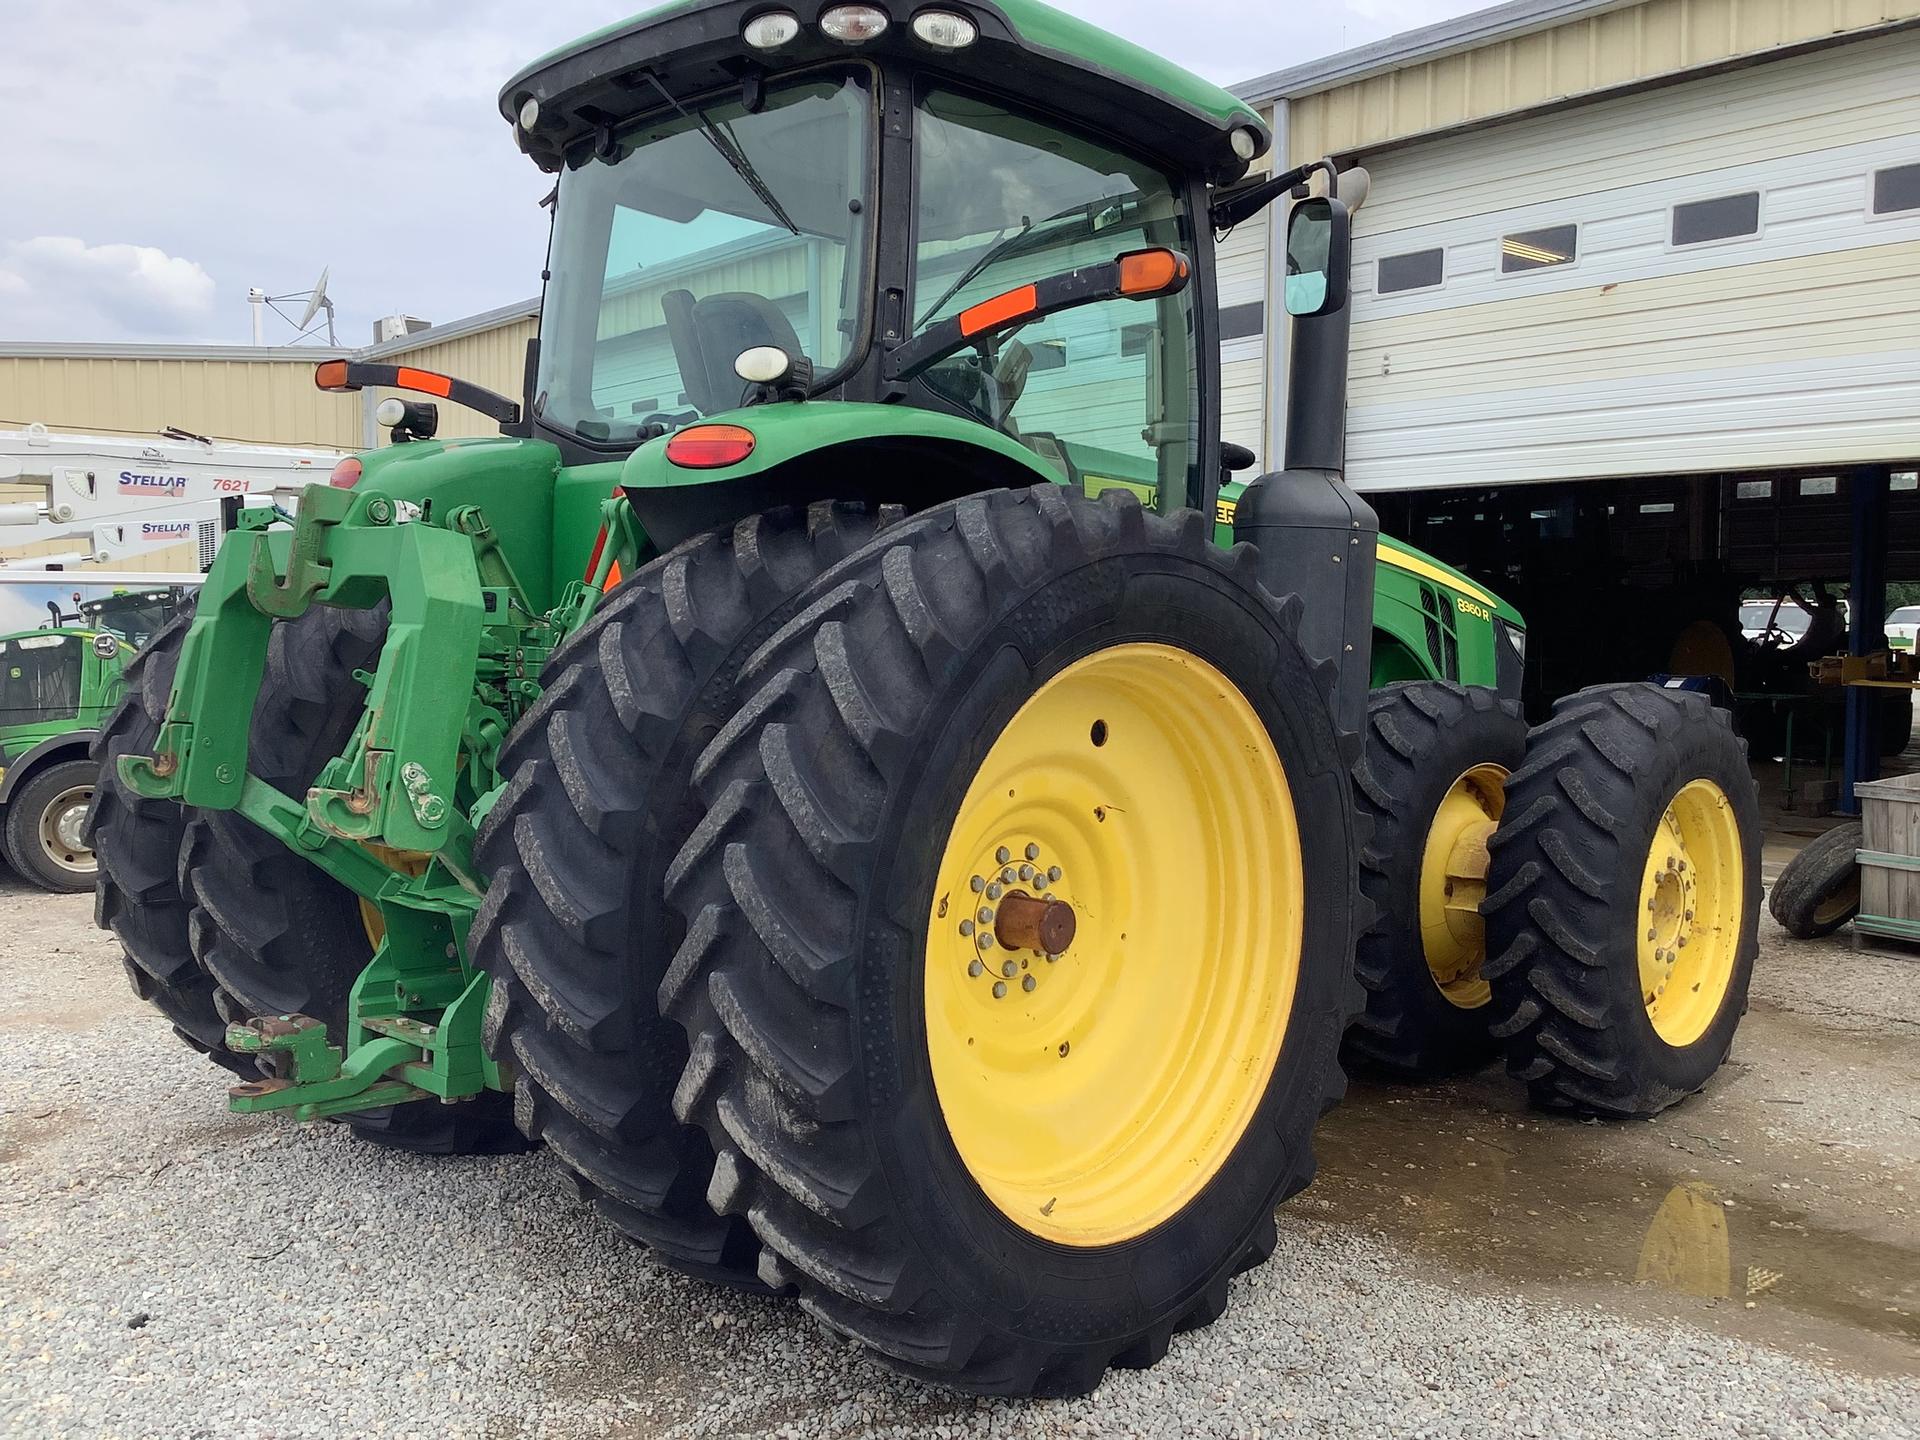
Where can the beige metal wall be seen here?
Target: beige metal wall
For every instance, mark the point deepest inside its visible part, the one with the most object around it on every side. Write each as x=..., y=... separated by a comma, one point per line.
x=263, y=400
x=1628, y=46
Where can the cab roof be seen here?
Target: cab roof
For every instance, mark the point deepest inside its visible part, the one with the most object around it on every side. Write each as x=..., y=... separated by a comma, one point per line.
x=1026, y=49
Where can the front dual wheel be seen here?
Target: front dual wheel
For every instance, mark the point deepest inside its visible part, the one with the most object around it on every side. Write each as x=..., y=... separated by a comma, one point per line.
x=1018, y=937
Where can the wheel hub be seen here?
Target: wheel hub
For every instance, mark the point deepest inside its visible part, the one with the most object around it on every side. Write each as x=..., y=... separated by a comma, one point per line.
x=63, y=830
x=1690, y=913
x=1453, y=884
x=1020, y=918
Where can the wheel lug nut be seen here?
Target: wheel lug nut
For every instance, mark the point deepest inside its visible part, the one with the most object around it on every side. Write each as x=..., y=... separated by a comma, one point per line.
x=994, y=892
x=999, y=989
x=966, y=927
x=979, y=884
x=1003, y=854
x=1009, y=969
x=1055, y=875
x=1009, y=875
x=1026, y=872
x=986, y=942
x=1029, y=984
x=1053, y=959
x=1033, y=852
x=986, y=915
x=976, y=970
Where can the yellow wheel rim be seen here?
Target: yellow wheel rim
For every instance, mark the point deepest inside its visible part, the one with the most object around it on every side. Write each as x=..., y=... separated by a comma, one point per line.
x=1453, y=882
x=1692, y=900
x=1094, y=1092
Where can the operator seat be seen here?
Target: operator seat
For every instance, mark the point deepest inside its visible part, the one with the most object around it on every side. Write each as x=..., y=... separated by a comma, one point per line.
x=709, y=335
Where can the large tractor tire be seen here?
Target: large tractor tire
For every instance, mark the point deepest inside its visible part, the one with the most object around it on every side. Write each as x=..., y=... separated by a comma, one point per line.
x=1818, y=893
x=575, y=929
x=1623, y=901
x=1434, y=785
x=277, y=934
x=137, y=841
x=46, y=828
x=1014, y=976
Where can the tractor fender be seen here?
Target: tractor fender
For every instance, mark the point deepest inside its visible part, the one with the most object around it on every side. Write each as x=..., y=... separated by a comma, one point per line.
x=841, y=451
x=69, y=745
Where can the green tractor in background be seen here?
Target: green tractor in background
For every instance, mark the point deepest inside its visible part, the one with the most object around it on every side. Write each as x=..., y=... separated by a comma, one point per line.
x=57, y=684
x=848, y=771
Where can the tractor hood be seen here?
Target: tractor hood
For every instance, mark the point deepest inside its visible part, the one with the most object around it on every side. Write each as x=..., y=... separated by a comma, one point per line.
x=695, y=47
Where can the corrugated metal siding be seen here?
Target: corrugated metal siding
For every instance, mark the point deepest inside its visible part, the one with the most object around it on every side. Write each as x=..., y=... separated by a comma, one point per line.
x=261, y=401
x=1793, y=346
x=1618, y=48
x=1241, y=265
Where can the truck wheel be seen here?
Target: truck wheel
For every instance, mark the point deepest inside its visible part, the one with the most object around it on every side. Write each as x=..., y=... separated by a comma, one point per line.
x=46, y=828
x=1434, y=784
x=1624, y=901
x=279, y=935
x=1013, y=978
x=1819, y=891
x=137, y=841
x=575, y=929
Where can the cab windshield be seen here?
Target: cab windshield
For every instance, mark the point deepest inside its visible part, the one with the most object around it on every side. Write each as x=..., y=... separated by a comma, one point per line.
x=1106, y=393
x=702, y=232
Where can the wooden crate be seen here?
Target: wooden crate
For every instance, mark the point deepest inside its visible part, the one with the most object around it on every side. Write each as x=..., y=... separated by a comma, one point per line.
x=1890, y=858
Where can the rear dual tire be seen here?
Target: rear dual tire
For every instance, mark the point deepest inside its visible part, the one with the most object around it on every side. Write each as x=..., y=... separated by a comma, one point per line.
x=828, y=1079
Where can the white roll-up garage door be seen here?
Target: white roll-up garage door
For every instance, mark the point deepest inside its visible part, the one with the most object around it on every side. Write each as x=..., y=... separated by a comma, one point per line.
x=1717, y=275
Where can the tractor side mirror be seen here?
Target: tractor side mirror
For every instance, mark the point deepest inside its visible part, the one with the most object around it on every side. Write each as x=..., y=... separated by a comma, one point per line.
x=1319, y=257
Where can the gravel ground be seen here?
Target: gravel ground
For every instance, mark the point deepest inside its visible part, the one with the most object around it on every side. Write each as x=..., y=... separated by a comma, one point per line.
x=169, y=1270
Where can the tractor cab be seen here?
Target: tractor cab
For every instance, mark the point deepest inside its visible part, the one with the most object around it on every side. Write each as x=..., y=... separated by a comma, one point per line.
x=994, y=216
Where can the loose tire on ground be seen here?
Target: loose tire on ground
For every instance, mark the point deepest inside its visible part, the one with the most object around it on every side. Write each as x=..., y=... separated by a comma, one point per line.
x=860, y=1137
x=575, y=929
x=137, y=841
x=1819, y=891
x=1438, y=757
x=277, y=934
x=1623, y=901
x=44, y=827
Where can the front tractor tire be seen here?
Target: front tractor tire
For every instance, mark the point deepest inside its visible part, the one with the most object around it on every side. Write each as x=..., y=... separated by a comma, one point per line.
x=1623, y=901
x=46, y=828
x=1019, y=939
x=137, y=843
x=1434, y=785
x=575, y=930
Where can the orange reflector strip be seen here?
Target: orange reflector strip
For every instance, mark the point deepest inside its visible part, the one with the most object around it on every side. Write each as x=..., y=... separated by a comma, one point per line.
x=425, y=381
x=710, y=447
x=1151, y=272
x=330, y=375
x=991, y=314
x=614, y=577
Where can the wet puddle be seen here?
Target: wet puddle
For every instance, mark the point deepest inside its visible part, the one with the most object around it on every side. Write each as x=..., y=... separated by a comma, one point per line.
x=1823, y=1249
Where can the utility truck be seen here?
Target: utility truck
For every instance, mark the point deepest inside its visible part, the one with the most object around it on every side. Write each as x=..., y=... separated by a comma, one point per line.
x=850, y=769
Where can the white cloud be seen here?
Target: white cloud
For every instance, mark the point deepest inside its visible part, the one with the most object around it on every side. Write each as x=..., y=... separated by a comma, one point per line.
x=59, y=285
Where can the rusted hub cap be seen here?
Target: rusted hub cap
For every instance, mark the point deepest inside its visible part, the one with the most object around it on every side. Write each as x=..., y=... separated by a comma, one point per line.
x=1024, y=923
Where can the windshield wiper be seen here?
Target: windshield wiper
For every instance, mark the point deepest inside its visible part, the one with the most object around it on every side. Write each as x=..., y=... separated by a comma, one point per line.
x=1005, y=246
x=730, y=152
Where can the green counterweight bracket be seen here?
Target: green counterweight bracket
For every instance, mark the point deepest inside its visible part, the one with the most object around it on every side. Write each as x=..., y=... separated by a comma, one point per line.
x=395, y=787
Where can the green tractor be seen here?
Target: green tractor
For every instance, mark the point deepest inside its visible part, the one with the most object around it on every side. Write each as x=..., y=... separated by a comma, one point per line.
x=57, y=684
x=847, y=770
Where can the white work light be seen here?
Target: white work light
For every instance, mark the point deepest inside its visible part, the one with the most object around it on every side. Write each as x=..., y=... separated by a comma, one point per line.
x=763, y=365
x=770, y=32
x=945, y=30
x=390, y=412
x=529, y=113
x=854, y=24
x=1246, y=144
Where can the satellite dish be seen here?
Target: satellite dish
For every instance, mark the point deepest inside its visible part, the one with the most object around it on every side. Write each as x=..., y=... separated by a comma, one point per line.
x=315, y=300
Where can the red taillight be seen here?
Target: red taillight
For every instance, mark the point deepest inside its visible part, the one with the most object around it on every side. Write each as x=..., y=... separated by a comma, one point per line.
x=710, y=447
x=346, y=474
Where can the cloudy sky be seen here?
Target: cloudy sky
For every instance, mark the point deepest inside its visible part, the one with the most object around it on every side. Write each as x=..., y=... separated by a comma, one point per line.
x=164, y=155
